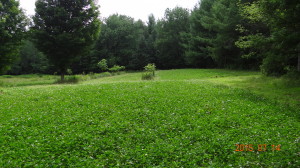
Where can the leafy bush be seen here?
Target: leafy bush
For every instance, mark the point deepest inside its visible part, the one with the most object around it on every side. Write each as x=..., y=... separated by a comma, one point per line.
x=149, y=72
x=147, y=76
x=7, y=76
x=105, y=74
x=150, y=68
x=292, y=78
x=103, y=65
x=68, y=79
x=92, y=75
x=274, y=65
x=117, y=68
x=69, y=72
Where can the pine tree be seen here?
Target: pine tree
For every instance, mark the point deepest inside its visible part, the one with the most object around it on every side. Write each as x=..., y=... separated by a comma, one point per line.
x=65, y=29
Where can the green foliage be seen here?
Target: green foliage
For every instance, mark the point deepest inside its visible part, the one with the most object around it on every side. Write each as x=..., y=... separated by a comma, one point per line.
x=12, y=29
x=149, y=73
x=64, y=30
x=125, y=41
x=170, y=38
x=147, y=76
x=240, y=34
x=277, y=25
x=27, y=80
x=150, y=68
x=69, y=71
x=117, y=68
x=31, y=61
x=198, y=39
x=39, y=79
x=118, y=40
x=222, y=20
x=183, y=119
x=71, y=79
x=103, y=65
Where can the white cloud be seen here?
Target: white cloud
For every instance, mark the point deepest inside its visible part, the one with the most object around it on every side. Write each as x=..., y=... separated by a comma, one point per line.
x=138, y=9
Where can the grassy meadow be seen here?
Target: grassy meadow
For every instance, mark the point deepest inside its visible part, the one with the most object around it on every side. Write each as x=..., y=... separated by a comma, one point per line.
x=182, y=118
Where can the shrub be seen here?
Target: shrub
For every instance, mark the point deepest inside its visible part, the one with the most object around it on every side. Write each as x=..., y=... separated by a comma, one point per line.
x=150, y=68
x=68, y=79
x=69, y=72
x=149, y=72
x=105, y=74
x=117, y=68
x=147, y=76
x=292, y=78
x=92, y=75
x=7, y=76
x=274, y=65
x=103, y=65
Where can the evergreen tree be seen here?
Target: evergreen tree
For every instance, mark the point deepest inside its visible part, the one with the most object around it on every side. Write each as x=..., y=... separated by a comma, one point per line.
x=199, y=38
x=65, y=29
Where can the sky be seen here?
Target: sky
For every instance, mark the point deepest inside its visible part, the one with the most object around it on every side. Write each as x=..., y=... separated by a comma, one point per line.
x=138, y=9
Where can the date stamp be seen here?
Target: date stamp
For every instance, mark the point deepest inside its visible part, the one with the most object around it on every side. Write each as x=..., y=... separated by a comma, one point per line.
x=259, y=147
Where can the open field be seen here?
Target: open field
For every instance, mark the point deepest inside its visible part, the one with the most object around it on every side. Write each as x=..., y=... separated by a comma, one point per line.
x=183, y=118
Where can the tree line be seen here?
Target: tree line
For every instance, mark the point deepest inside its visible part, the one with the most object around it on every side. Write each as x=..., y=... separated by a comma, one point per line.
x=233, y=34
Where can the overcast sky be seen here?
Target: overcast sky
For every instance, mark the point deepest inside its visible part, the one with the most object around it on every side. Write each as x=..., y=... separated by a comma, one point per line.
x=138, y=9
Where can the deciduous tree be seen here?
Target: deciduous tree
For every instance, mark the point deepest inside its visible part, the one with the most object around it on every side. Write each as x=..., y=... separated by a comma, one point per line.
x=12, y=28
x=170, y=39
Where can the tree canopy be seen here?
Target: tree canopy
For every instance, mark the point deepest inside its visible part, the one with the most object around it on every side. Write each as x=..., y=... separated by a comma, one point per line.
x=233, y=34
x=65, y=29
x=276, y=37
x=12, y=27
x=170, y=38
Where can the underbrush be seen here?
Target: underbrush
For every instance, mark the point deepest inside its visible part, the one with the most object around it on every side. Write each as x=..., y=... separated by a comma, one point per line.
x=94, y=76
x=292, y=79
x=39, y=79
x=26, y=80
x=147, y=76
x=71, y=79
